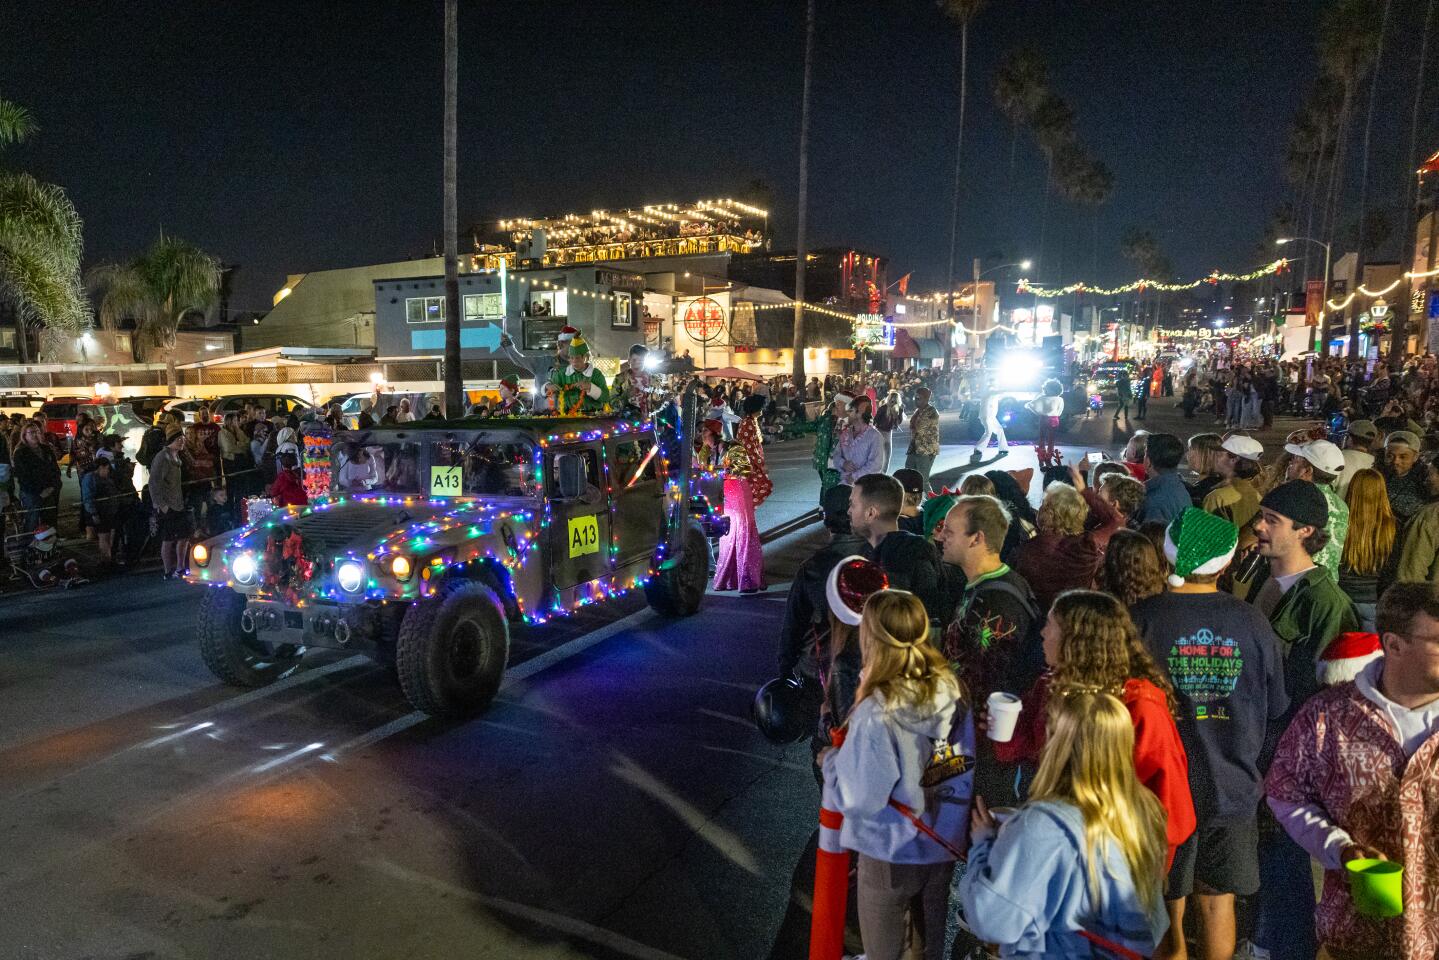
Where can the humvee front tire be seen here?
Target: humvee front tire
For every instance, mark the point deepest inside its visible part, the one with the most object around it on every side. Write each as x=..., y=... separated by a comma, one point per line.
x=234, y=654
x=678, y=591
x=452, y=650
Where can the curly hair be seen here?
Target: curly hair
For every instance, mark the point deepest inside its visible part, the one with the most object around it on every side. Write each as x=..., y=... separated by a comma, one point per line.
x=1063, y=511
x=1099, y=647
x=1132, y=568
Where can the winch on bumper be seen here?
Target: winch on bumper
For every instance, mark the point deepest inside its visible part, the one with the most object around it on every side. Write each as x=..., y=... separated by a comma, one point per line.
x=335, y=626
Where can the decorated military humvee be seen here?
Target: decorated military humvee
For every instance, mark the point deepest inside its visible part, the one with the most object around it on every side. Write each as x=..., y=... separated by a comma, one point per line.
x=437, y=536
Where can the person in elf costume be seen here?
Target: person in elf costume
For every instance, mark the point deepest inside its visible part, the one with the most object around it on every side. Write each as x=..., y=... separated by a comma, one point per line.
x=632, y=384
x=824, y=442
x=580, y=388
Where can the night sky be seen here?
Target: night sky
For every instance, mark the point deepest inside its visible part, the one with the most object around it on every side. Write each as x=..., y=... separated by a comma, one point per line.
x=288, y=137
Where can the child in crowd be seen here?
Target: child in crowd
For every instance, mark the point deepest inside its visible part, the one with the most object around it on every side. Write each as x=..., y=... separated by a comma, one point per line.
x=902, y=778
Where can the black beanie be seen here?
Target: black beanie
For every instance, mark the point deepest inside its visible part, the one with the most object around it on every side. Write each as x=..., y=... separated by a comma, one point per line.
x=1300, y=501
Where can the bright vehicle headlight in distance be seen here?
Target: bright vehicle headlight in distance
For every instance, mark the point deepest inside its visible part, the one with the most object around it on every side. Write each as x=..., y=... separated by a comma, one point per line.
x=401, y=568
x=201, y=553
x=242, y=568
x=1017, y=370
x=350, y=575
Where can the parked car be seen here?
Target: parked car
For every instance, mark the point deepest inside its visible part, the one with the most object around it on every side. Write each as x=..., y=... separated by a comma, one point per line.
x=450, y=535
x=146, y=407
x=282, y=404
x=24, y=404
x=62, y=414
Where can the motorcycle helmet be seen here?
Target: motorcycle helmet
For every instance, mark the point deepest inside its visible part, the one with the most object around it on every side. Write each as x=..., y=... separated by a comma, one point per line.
x=780, y=711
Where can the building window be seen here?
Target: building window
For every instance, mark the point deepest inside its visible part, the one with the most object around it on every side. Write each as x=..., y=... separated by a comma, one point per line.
x=624, y=318
x=424, y=309
x=548, y=303
x=484, y=306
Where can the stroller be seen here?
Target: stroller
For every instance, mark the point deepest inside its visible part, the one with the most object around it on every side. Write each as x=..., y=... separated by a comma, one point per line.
x=39, y=561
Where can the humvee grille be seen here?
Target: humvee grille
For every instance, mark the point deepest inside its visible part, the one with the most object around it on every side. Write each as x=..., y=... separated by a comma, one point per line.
x=334, y=530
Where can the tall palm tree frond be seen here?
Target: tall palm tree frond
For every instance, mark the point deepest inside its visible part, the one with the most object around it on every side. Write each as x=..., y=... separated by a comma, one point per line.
x=40, y=248
x=960, y=11
x=1021, y=82
x=16, y=123
x=122, y=293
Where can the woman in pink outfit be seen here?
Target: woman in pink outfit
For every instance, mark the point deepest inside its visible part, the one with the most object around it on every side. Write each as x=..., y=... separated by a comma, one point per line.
x=741, y=555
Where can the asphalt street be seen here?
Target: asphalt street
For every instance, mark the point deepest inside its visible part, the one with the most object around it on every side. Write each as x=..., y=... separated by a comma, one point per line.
x=614, y=802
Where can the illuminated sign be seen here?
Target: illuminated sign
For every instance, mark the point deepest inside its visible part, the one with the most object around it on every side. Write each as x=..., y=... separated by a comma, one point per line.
x=704, y=319
x=446, y=481
x=584, y=535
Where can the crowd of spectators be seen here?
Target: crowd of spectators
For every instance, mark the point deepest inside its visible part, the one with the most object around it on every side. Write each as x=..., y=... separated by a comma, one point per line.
x=1239, y=604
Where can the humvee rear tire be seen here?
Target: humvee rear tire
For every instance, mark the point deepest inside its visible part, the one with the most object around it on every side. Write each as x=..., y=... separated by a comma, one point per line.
x=452, y=650
x=233, y=654
x=678, y=591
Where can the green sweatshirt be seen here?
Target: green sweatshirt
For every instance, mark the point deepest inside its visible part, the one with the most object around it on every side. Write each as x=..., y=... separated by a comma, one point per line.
x=1309, y=615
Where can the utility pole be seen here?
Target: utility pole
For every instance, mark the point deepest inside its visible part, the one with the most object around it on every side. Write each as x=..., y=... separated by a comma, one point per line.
x=454, y=381
x=801, y=249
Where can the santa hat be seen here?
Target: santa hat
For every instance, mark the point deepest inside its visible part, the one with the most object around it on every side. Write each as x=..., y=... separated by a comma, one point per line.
x=1198, y=544
x=1346, y=656
x=850, y=584
x=567, y=333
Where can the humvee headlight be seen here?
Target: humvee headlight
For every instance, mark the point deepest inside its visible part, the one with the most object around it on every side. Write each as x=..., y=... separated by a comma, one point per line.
x=242, y=568
x=401, y=568
x=201, y=554
x=350, y=575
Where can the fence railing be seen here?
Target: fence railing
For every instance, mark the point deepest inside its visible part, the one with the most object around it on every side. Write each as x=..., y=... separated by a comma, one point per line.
x=50, y=378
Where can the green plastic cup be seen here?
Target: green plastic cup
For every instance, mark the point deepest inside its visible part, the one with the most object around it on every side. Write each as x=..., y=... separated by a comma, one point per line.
x=1377, y=887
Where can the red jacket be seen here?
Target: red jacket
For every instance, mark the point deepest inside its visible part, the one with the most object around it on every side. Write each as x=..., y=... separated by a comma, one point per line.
x=1159, y=758
x=287, y=491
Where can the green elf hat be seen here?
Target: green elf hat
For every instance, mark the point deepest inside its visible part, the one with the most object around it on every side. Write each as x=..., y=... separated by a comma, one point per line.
x=1198, y=544
x=578, y=345
x=934, y=510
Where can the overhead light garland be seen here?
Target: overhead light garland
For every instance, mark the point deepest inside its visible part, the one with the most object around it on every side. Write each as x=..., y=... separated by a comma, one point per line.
x=1278, y=266
x=1371, y=294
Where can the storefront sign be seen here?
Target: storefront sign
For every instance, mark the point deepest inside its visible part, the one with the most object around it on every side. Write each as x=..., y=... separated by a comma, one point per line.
x=616, y=280
x=703, y=320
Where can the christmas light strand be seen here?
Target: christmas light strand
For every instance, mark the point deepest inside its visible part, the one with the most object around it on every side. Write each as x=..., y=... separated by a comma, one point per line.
x=1278, y=266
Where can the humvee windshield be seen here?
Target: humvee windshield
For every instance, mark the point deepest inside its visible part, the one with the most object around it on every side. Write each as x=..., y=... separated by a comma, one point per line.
x=456, y=468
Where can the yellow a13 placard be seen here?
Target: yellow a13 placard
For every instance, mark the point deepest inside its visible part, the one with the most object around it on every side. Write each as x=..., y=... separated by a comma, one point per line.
x=584, y=535
x=447, y=481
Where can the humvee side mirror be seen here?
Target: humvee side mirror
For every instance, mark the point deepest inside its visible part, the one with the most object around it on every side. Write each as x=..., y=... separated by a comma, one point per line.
x=570, y=475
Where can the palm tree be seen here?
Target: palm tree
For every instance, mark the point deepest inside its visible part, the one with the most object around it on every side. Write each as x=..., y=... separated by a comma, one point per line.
x=961, y=12
x=1053, y=127
x=1347, y=46
x=156, y=290
x=801, y=249
x=1362, y=247
x=40, y=246
x=454, y=376
x=1021, y=83
x=1399, y=335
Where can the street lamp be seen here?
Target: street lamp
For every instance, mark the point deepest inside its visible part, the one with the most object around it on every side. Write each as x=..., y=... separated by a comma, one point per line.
x=1323, y=297
x=978, y=273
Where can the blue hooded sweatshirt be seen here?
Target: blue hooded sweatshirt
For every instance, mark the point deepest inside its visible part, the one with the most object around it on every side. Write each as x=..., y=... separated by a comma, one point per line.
x=1028, y=891
x=921, y=755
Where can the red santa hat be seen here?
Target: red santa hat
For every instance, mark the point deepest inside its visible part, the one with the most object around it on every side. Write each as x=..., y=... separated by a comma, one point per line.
x=1346, y=656
x=567, y=333
x=850, y=584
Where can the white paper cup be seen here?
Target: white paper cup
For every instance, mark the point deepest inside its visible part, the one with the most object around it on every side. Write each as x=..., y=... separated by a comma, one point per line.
x=1003, y=715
